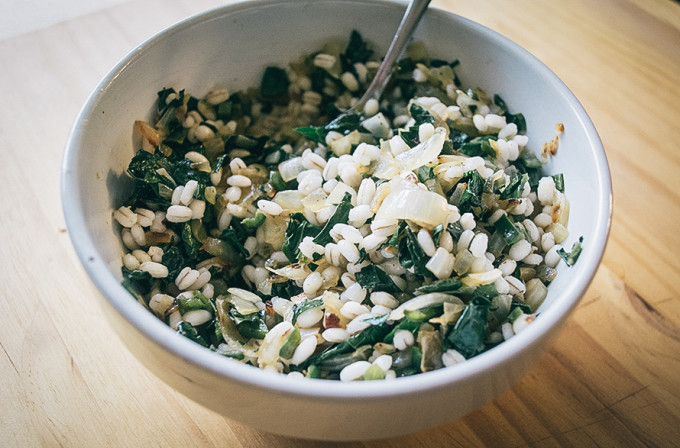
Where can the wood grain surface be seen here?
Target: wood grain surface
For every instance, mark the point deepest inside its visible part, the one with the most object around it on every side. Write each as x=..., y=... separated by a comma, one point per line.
x=611, y=379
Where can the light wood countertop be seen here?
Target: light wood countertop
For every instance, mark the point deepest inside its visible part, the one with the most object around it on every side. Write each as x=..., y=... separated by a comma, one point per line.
x=611, y=379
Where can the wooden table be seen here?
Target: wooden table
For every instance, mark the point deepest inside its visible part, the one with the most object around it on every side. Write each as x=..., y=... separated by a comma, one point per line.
x=611, y=379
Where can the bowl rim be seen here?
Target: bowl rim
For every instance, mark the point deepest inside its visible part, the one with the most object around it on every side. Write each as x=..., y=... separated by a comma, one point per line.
x=158, y=332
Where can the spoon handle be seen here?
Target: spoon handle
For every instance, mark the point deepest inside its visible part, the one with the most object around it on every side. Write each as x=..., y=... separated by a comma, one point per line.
x=414, y=11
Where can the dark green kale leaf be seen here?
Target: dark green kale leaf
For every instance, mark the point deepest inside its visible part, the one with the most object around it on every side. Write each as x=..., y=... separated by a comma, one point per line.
x=508, y=230
x=183, y=173
x=518, y=118
x=369, y=336
x=394, y=239
x=231, y=109
x=515, y=188
x=484, y=293
x=168, y=124
x=522, y=308
x=404, y=324
x=447, y=286
x=196, y=301
x=373, y=279
x=472, y=293
x=498, y=101
x=529, y=159
x=455, y=230
x=147, y=194
x=342, y=124
x=318, y=78
x=363, y=255
x=255, y=145
x=479, y=146
x=303, y=306
x=469, y=333
x=437, y=233
x=340, y=216
x=274, y=154
x=235, y=239
x=150, y=186
x=192, y=247
x=528, y=163
x=250, y=326
x=421, y=116
x=559, y=182
x=425, y=173
x=315, y=133
x=472, y=195
x=458, y=138
x=298, y=229
x=285, y=289
x=174, y=259
x=189, y=331
x=163, y=102
x=572, y=257
x=519, y=121
x=412, y=255
x=405, y=67
x=274, y=82
x=136, y=281
x=357, y=49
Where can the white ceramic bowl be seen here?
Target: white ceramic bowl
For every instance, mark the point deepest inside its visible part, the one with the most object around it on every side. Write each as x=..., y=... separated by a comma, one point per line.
x=231, y=46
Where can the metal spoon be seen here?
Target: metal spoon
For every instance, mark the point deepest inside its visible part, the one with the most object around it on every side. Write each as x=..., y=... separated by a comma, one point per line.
x=414, y=12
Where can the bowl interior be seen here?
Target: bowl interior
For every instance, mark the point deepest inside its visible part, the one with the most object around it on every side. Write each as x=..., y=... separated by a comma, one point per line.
x=230, y=47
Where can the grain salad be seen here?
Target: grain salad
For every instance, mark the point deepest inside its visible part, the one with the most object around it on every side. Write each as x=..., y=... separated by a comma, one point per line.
x=272, y=229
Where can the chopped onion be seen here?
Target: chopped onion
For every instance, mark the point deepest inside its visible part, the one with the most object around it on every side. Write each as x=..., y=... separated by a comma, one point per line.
x=559, y=232
x=535, y=294
x=423, y=153
x=243, y=306
x=423, y=207
x=271, y=345
x=217, y=248
x=386, y=168
x=227, y=326
x=560, y=210
x=149, y=133
x=290, y=200
x=343, y=145
x=339, y=192
x=482, y=278
x=451, y=158
x=245, y=295
x=420, y=302
x=201, y=166
x=380, y=194
x=452, y=312
x=316, y=200
x=292, y=271
x=377, y=125
x=412, y=159
x=153, y=238
x=274, y=230
x=290, y=168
